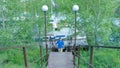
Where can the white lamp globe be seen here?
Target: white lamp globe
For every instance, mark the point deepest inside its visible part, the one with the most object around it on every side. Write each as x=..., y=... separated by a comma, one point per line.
x=44, y=8
x=75, y=7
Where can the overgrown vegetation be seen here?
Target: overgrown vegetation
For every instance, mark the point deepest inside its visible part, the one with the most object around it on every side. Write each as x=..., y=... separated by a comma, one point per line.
x=102, y=58
x=14, y=58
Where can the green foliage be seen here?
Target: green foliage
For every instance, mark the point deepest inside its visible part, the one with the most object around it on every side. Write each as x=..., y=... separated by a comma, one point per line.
x=22, y=23
x=109, y=57
x=14, y=57
x=102, y=58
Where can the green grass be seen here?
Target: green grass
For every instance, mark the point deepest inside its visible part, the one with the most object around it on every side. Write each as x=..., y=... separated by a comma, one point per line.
x=102, y=58
x=13, y=58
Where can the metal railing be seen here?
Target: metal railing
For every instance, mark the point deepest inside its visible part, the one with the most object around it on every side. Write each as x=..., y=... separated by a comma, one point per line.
x=25, y=55
x=90, y=63
x=77, y=55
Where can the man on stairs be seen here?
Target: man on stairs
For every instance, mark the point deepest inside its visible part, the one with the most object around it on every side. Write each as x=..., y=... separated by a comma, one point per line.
x=60, y=44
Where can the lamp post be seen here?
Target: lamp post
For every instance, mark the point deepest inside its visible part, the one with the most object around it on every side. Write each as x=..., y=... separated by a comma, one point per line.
x=75, y=9
x=44, y=9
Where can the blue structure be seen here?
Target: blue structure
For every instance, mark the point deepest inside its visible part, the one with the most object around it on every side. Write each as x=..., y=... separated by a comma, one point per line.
x=60, y=36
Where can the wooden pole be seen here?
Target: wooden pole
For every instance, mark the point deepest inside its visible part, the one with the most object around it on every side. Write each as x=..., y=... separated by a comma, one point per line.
x=25, y=57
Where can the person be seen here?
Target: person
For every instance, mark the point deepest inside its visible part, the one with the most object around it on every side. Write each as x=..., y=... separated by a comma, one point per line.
x=60, y=44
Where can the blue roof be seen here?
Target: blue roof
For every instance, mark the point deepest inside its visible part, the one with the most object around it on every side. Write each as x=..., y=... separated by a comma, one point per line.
x=60, y=36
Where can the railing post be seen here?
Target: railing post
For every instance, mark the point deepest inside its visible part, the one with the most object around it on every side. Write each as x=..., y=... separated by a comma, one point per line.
x=79, y=57
x=25, y=57
x=40, y=56
x=91, y=57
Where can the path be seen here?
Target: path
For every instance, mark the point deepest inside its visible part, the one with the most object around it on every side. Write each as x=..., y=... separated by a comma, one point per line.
x=60, y=60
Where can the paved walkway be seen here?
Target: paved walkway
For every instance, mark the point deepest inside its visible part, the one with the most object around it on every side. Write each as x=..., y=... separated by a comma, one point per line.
x=60, y=60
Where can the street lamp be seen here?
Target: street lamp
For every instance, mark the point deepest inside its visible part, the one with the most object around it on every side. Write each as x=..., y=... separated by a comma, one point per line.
x=44, y=9
x=75, y=9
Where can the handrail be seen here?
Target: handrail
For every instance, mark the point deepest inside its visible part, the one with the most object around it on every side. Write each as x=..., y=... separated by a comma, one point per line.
x=39, y=59
x=15, y=47
x=79, y=56
x=25, y=55
x=113, y=47
x=91, y=53
x=84, y=61
x=12, y=47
